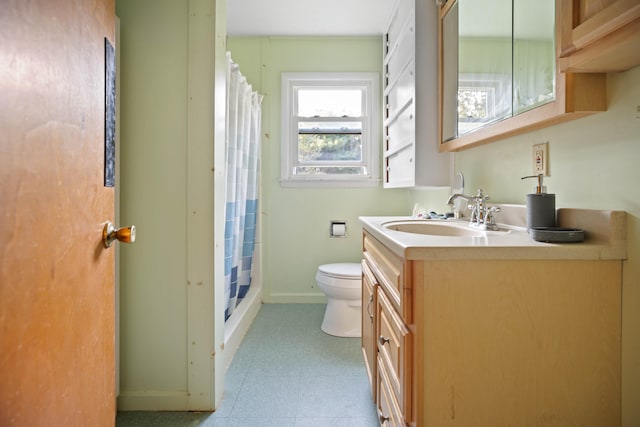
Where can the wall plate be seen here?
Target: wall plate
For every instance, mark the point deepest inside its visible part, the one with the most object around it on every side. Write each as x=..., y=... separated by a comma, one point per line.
x=540, y=159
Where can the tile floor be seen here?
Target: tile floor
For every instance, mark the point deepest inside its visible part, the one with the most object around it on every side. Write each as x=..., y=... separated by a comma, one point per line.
x=286, y=373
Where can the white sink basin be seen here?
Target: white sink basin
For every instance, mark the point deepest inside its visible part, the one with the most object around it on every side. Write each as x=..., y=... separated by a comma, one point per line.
x=435, y=228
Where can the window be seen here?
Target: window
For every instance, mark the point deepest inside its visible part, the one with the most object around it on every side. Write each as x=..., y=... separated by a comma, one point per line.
x=330, y=129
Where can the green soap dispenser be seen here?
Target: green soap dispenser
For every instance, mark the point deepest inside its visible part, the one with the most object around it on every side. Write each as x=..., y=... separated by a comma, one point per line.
x=541, y=207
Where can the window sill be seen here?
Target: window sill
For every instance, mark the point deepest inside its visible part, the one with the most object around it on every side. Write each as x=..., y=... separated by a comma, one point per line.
x=330, y=183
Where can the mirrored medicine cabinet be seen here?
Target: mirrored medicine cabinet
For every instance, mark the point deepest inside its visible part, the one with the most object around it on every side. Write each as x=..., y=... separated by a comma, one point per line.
x=499, y=74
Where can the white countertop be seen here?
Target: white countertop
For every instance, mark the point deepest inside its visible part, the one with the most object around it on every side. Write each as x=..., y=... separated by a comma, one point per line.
x=607, y=240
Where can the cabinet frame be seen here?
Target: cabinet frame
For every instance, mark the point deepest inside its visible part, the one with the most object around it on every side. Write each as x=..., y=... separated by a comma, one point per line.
x=369, y=331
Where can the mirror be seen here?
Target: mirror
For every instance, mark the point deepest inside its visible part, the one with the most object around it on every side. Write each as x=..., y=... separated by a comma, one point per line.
x=533, y=54
x=498, y=60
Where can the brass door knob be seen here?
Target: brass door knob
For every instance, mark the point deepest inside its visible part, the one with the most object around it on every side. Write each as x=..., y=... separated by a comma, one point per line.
x=124, y=234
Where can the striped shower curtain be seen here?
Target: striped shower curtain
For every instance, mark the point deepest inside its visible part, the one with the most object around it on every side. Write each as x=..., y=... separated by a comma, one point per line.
x=241, y=198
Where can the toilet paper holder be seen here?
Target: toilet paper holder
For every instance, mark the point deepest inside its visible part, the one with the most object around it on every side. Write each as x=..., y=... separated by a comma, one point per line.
x=337, y=228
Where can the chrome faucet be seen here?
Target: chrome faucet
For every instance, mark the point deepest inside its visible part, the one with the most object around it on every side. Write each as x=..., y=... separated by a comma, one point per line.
x=458, y=196
x=481, y=215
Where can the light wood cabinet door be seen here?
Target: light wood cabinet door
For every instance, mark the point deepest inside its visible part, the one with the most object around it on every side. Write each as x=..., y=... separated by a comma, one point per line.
x=599, y=35
x=521, y=340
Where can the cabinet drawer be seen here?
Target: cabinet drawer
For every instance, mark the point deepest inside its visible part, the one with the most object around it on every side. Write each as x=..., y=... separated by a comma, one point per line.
x=389, y=270
x=389, y=413
x=394, y=346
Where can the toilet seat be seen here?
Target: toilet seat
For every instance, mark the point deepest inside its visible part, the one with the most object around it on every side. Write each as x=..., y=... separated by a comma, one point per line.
x=345, y=271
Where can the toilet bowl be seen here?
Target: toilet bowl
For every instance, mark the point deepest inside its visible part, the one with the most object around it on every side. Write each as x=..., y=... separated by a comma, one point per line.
x=342, y=284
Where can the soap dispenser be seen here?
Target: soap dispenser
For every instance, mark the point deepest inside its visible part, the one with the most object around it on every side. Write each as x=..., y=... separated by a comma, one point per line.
x=541, y=207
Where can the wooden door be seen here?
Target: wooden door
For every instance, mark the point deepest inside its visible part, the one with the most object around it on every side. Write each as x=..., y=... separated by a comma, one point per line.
x=56, y=278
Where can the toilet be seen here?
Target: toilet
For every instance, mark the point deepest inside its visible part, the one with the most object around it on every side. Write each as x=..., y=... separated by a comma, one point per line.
x=342, y=284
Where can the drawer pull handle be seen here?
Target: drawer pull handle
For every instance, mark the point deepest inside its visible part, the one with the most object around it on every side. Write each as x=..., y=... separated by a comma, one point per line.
x=382, y=340
x=369, y=308
x=382, y=418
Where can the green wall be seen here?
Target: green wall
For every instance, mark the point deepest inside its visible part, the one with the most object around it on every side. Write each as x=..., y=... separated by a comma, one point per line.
x=295, y=221
x=171, y=315
x=153, y=136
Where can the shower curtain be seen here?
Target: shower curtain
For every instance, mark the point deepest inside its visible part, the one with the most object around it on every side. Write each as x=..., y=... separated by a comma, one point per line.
x=241, y=197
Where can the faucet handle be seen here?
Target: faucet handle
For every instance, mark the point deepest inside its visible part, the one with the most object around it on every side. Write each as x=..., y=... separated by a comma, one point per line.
x=474, y=212
x=490, y=219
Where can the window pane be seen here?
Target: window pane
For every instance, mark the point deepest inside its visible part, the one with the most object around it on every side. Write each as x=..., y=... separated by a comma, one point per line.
x=329, y=147
x=329, y=102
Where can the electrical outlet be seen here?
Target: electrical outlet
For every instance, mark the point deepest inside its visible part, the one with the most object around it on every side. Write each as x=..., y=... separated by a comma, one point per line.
x=540, y=157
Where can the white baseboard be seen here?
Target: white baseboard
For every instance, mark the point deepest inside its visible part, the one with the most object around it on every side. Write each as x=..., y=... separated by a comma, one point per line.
x=153, y=400
x=295, y=298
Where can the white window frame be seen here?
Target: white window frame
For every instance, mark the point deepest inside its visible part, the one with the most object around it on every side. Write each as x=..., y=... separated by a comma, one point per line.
x=291, y=82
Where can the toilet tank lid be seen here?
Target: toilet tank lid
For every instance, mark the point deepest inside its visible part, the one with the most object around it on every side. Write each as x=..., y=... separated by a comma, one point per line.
x=345, y=269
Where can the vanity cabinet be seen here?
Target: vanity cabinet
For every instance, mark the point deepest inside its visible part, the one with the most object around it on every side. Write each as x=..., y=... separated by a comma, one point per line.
x=410, y=149
x=470, y=340
x=599, y=36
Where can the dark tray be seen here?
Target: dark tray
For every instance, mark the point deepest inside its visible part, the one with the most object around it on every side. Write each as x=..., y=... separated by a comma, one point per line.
x=556, y=234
